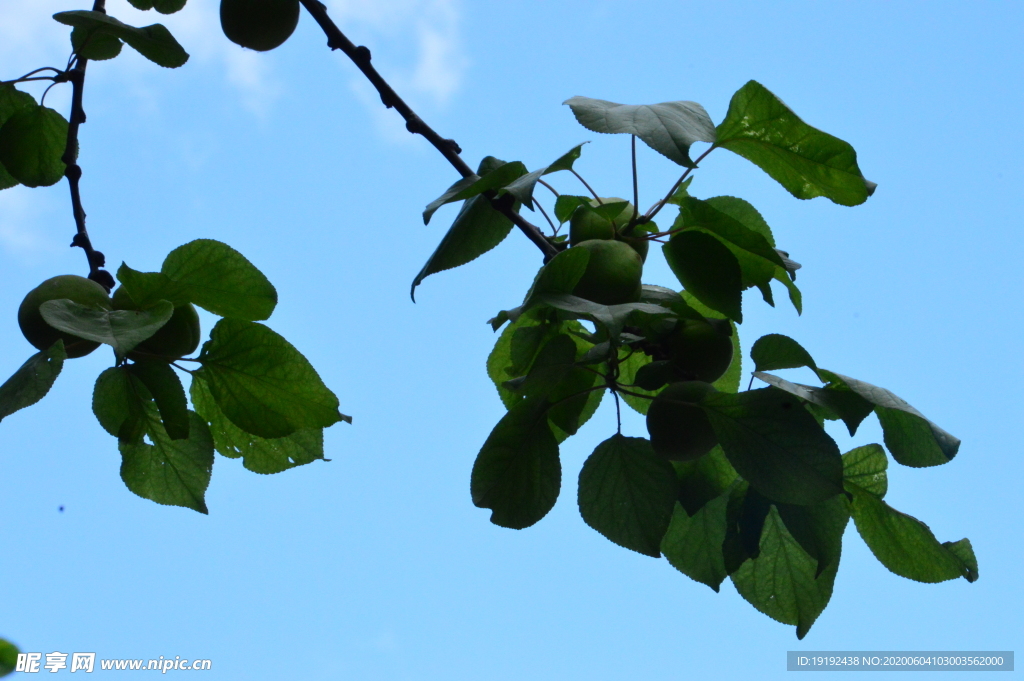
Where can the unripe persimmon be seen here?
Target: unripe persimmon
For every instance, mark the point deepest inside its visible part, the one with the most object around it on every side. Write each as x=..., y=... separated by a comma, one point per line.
x=585, y=225
x=612, y=275
x=259, y=24
x=679, y=428
x=66, y=286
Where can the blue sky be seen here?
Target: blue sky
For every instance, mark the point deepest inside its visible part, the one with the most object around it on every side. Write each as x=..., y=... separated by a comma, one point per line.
x=376, y=565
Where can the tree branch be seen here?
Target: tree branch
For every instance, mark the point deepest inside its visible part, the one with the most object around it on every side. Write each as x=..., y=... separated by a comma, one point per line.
x=360, y=55
x=74, y=172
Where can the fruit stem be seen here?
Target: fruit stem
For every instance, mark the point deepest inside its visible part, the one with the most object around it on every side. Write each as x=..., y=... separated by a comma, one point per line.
x=589, y=188
x=661, y=204
x=618, y=414
x=449, y=148
x=636, y=195
x=545, y=214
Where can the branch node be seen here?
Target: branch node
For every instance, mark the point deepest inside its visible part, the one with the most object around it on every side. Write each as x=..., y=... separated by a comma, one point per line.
x=97, y=260
x=414, y=124
x=73, y=172
x=103, y=278
x=78, y=240
x=453, y=145
x=362, y=55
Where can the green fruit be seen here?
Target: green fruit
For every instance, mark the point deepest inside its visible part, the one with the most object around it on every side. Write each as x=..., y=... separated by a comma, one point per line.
x=586, y=225
x=259, y=24
x=178, y=337
x=699, y=351
x=612, y=275
x=680, y=429
x=67, y=286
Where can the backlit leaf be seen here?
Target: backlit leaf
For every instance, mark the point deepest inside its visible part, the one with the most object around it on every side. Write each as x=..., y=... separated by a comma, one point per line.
x=121, y=329
x=32, y=142
x=155, y=42
x=32, y=380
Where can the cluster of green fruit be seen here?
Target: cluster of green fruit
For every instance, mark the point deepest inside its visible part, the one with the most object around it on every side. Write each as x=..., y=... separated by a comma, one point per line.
x=689, y=358
x=175, y=339
x=617, y=258
x=259, y=24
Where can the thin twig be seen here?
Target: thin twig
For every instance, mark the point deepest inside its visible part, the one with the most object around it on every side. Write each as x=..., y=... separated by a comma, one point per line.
x=360, y=56
x=74, y=172
x=649, y=215
x=545, y=214
x=589, y=188
x=636, y=194
x=553, y=191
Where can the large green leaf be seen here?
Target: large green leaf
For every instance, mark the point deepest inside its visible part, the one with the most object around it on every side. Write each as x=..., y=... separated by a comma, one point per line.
x=758, y=259
x=162, y=6
x=155, y=42
x=494, y=174
x=781, y=581
x=259, y=455
x=95, y=44
x=170, y=472
x=121, y=329
x=865, y=467
x=708, y=270
x=11, y=100
x=32, y=380
x=806, y=161
x=32, y=142
x=145, y=289
x=912, y=439
x=165, y=387
x=775, y=351
x=477, y=229
x=119, y=401
x=778, y=447
x=262, y=383
x=522, y=188
x=832, y=402
x=693, y=544
x=669, y=128
x=905, y=545
x=218, y=278
x=517, y=473
x=627, y=492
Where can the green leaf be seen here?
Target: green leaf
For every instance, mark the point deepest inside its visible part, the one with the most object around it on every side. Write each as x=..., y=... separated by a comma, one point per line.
x=32, y=142
x=259, y=455
x=865, y=467
x=8, y=657
x=806, y=161
x=627, y=492
x=169, y=472
x=474, y=185
x=262, y=383
x=693, y=544
x=912, y=439
x=832, y=402
x=218, y=278
x=781, y=581
x=775, y=351
x=522, y=188
x=965, y=552
x=11, y=100
x=142, y=4
x=32, y=380
x=477, y=229
x=517, y=473
x=778, y=447
x=155, y=42
x=121, y=329
x=148, y=288
x=566, y=205
x=165, y=387
x=757, y=258
x=905, y=545
x=95, y=44
x=119, y=402
x=707, y=269
x=669, y=128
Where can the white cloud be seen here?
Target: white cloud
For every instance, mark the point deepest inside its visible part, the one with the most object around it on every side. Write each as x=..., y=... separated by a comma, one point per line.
x=433, y=71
